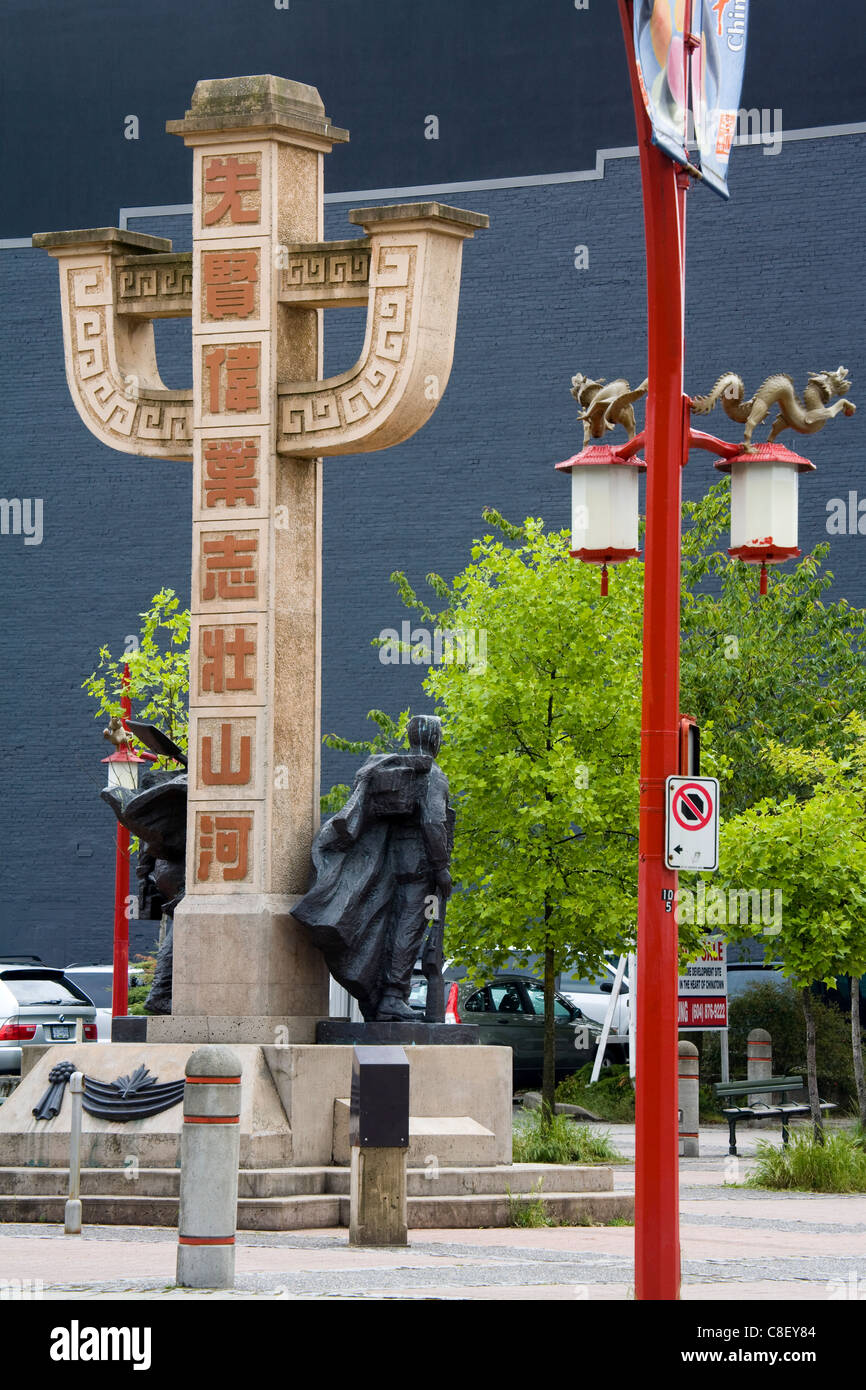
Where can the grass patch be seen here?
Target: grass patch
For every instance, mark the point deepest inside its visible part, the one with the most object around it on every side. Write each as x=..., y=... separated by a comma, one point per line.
x=611, y=1098
x=837, y=1165
x=528, y=1213
x=562, y=1141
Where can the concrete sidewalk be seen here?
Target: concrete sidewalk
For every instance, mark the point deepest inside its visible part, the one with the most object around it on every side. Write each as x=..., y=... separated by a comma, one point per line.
x=736, y=1244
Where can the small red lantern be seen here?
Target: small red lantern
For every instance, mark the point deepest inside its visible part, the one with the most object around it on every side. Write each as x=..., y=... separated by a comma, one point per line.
x=764, y=505
x=604, y=506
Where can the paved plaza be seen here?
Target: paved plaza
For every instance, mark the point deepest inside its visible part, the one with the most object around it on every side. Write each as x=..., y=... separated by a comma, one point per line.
x=737, y=1244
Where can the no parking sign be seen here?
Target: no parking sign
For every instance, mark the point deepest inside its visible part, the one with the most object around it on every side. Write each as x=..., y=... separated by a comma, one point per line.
x=692, y=834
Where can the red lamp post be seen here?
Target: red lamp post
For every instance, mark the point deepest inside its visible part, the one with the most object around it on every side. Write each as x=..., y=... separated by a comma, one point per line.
x=123, y=767
x=763, y=531
x=657, y=1240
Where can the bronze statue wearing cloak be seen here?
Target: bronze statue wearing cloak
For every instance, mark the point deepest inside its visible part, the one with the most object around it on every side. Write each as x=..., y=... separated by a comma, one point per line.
x=381, y=878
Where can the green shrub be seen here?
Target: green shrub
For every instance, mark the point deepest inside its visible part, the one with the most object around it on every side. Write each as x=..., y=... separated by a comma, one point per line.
x=145, y=966
x=837, y=1165
x=779, y=1009
x=611, y=1098
x=562, y=1141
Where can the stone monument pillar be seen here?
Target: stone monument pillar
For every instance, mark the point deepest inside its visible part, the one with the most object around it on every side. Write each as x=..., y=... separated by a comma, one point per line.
x=255, y=426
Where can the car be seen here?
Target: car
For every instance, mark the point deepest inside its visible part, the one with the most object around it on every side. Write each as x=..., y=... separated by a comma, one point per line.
x=97, y=982
x=592, y=997
x=509, y=1012
x=39, y=1005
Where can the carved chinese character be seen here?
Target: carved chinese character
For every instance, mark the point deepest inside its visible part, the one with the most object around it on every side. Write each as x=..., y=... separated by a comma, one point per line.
x=224, y=843
x=230, y=283
x=224, y=775
x=229, y=179
x=230, y=472
x=224, y=665
x=230, y=567
x=242, y=376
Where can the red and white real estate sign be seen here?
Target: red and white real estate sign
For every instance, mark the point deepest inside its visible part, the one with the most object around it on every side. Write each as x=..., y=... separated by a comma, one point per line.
x=703, y=990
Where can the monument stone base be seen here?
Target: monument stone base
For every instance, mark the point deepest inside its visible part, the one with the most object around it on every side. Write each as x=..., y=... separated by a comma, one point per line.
x=340, y=1030
x=232, y=1028
x=290, y=1114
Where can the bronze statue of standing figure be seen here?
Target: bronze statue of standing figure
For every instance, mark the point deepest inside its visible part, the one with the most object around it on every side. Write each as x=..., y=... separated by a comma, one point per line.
x=381, y=879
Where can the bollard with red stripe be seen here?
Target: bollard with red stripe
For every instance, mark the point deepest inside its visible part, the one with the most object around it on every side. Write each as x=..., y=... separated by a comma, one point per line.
x=759, y=1064
x=689, y=1099
x=209, y=1156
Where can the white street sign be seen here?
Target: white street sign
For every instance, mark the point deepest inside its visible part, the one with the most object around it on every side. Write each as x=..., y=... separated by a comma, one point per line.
x=692, y=831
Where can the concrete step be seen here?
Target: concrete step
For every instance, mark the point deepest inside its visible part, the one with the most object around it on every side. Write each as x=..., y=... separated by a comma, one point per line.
x=160, y=1182
x=285, y=1199
x=296, y=1182
x=312, y=1211
x=577, y=1208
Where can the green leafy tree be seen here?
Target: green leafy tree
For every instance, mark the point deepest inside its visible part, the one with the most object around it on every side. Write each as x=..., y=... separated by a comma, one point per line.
x=158, y=671
x=811, y=849
x=787, y=666
x=539, y=692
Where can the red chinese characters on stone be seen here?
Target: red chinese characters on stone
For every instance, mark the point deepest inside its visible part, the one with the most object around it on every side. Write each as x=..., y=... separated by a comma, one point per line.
x=230, y=473
x=224, y=668
x=224, y=775
x=223, y=848
x=229, y=179
x=229, y=570
x=241, y=364
x=230, y=279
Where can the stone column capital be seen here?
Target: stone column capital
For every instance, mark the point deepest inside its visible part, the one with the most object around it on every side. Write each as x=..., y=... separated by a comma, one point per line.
x=264, y=105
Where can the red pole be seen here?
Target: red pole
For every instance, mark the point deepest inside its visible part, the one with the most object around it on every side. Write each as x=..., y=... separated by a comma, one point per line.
x=120, y=974
x=657, y=1244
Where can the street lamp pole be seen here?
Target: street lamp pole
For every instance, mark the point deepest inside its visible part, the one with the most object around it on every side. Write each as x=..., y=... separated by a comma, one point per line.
x=657, y=1244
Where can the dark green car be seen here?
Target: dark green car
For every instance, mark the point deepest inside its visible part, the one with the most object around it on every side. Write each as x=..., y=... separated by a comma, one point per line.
x=509, y=1012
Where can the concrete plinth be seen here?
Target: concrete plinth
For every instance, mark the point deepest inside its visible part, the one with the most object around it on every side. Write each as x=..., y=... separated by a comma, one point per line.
x=288, y=1105
x=338, y=1030
x=245, y=956
x=232, y=1028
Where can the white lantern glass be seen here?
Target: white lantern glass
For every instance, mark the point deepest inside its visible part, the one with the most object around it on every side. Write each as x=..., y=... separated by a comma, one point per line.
x=604, y=508
x=764, y=500
x=122, y=773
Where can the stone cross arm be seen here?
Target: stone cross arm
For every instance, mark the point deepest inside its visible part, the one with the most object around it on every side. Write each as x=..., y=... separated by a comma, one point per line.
x=114, y=283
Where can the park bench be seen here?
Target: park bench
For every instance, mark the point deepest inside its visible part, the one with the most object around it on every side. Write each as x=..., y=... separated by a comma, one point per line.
x=731, y=1090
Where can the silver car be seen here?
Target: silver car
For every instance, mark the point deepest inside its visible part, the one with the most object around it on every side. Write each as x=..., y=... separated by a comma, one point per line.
x=39, y=1005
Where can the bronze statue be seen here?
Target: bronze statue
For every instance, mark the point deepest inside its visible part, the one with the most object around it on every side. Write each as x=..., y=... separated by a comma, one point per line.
x=605, y=406
x=381, y=879
x=807, y=416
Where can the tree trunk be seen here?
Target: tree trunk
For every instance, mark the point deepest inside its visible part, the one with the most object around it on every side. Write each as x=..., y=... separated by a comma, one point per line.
x=548, y=1086
x=857, y=1049
x=812, y=1069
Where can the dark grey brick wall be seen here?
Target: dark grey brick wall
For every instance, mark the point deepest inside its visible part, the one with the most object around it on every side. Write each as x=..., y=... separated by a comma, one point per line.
x=776, y=282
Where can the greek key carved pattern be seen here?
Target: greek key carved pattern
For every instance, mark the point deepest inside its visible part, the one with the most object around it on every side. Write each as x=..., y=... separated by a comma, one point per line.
x=122, y=407
x=163, y=278
x=324, y=269
x=367, y=389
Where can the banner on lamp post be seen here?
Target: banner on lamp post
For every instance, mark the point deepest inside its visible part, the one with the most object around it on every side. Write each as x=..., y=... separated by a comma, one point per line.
x=718, y=39
x=659, y=41
x=717, y=81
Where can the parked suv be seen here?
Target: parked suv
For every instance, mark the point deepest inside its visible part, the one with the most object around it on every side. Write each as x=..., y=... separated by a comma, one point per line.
x=39, y=1005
